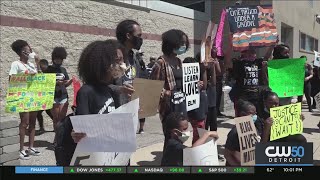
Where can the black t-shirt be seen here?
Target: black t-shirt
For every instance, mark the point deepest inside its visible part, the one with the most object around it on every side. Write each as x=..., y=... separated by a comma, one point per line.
x=173, y=153
x=178, y=77
x=248, y=77
x=95, y=100
x=60, y=91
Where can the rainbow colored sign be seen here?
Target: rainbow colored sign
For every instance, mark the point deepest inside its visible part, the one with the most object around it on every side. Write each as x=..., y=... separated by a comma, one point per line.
x=28, y=93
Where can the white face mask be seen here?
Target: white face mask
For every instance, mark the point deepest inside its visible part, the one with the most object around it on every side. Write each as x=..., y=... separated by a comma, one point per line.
x=184, y=136
x=118, y=70
x=31, y=56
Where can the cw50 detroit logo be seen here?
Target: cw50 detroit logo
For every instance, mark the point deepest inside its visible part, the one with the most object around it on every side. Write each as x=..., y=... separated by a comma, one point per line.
x=283, y=154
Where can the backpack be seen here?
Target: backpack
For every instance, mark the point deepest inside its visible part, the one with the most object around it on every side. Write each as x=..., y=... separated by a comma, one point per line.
x=64, y=146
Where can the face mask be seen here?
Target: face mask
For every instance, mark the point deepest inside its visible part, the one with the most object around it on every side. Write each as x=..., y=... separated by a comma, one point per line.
x=184, y=136
x=137, y=42
x=181, y=50
x=31, y=56
x=254, y=118
x=118, y=70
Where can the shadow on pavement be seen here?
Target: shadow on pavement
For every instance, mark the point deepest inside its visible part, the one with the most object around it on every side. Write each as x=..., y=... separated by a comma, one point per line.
x=311, y=130
x=315, y=114
x=41, y=143
x=156, y=160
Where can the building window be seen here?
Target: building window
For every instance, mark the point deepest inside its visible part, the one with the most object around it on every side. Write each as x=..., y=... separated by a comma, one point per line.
x=191, y=4
x=308, y=43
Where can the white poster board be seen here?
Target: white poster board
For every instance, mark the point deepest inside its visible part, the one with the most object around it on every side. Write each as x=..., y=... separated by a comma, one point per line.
x=203, y=155
x=109, y=158
x=191, y=77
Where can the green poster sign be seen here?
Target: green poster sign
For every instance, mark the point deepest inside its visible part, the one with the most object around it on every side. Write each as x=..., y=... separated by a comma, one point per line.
x=30, y=92
x=286, y=76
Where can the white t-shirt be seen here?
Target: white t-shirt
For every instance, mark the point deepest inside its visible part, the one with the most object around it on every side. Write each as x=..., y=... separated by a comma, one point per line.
x=18, y=67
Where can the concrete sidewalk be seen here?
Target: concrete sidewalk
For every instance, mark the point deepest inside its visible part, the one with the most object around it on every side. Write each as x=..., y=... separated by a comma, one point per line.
x=150, y=144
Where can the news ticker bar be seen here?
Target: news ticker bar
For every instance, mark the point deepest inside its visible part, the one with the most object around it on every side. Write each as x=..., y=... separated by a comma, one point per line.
x=132, y=170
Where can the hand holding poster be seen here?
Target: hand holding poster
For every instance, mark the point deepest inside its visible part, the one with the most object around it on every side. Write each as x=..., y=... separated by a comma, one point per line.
x=191, y=77
x=28, y=93
x=286, y=121
x=248, y=138
x=316, y=59
x=252, y=26
x=286, y=76
x=203, y=155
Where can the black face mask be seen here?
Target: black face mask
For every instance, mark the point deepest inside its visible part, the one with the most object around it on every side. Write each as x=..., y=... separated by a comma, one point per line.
x=57, y=65
x=137, y=42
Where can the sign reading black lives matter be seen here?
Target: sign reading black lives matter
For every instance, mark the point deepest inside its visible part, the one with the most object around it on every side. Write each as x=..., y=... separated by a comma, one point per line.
x=242, y=18
x=248, y=138
x=191, y=77
x=284, y=154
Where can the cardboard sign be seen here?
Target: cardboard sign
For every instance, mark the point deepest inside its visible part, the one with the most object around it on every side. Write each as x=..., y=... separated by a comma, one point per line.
x=207, y=40
x=191, y=77
x=28, y=93
x=252, y=26
x=248, y=138
x=286, y=76
x=148, y=91
x=286, y=121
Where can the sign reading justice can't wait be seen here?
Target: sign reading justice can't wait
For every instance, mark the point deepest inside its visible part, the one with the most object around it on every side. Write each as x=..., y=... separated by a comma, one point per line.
x=191, y=77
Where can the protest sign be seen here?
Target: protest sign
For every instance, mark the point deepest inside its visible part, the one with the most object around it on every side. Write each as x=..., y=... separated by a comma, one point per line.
x=100, y=159
x=286, y=121
x=207, y=41
x=112, y=132
x=191, y=77
x=148, y=92
x=286, y=76
x=248, y=138
x=317, y=98
x=316, y=59
x=203, y=155
x=109, y=158
x=28, y=93
x=252, y=26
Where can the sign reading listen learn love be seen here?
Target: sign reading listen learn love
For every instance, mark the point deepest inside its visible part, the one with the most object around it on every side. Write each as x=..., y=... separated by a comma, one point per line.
x=191, y=78
x=28, y=93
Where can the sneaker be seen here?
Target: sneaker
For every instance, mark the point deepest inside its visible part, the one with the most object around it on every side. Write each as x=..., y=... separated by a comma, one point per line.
x=141, y=131
x=23, y=155
x=34, y=152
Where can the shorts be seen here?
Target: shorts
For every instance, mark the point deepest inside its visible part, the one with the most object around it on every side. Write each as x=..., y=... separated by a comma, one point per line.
x=60, y=101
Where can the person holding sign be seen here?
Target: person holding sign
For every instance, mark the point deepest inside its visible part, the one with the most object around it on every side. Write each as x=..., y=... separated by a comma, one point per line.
x=176, y=130
x=25, y=65
x=232, y=146
x=60, y=107
x=95, y=96
x=271, y=100
x=198, y=116
x=168, y=68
